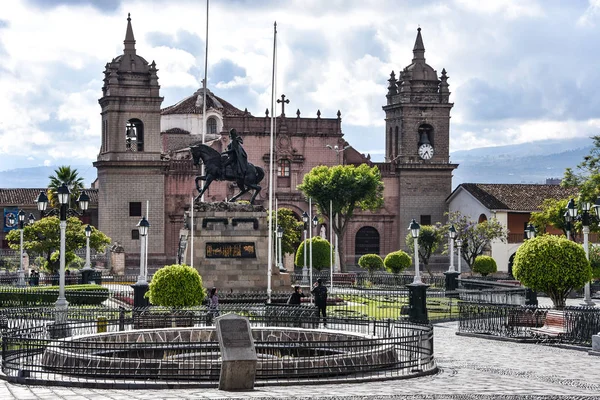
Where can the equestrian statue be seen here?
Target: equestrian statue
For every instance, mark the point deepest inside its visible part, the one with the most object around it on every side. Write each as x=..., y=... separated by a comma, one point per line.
x=231, y=165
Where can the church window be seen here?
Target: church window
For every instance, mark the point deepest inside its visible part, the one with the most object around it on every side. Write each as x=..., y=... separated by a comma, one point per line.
x=211, y=125
x=283, y=173
x=366, y=242
x=284, y=168
x=135, y=209
x=134, y=135
x=135, y=234
x=425, y=219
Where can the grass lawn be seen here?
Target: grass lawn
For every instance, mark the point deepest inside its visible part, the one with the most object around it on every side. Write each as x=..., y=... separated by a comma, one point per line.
x=383, y=307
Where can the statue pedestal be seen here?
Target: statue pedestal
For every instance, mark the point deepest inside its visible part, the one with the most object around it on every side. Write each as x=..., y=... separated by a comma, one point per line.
x=231, y=248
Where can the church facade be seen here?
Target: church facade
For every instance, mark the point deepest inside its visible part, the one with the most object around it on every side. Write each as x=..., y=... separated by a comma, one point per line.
x=145, y=163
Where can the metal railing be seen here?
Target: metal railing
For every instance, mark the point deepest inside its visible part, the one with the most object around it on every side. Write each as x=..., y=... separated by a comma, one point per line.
x=188, y=353
x=580, y=323
x=366, y=280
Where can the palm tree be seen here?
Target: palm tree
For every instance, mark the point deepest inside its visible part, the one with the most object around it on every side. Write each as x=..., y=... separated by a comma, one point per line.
x=70, y=177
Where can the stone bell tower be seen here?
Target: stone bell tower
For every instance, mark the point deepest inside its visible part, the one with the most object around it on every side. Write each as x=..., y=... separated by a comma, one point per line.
x=130, y=168
x=418, y=140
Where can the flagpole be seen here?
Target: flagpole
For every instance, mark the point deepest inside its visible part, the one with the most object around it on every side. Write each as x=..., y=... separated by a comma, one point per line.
x=192, y=233
x=270, y=230
x=331, y=244
x=146, y=239
x=204, y=84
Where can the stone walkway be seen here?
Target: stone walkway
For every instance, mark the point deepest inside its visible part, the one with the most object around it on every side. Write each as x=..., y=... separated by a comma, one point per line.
x=470, y=368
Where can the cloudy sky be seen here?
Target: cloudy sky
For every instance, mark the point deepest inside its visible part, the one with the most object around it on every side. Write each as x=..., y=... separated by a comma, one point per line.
x=520, y=71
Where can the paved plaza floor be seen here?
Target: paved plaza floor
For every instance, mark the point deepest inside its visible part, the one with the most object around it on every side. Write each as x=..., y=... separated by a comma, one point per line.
x=470, y=368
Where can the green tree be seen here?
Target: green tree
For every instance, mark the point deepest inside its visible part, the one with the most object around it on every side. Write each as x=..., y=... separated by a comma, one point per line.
x=484, y=265
x=553, y=265
x=371, y=262
x=587, y=175
x=292, y=230
x=69, y=177
x=397, y=261
x=347, y=188
x=595, y=261
x=552, y=214
x=430, y=237
x=320, y=253
x=176, y=286
x=475, y=236
x=43, y=239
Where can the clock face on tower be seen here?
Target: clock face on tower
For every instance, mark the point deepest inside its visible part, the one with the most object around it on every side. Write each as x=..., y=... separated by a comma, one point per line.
x=426, y=151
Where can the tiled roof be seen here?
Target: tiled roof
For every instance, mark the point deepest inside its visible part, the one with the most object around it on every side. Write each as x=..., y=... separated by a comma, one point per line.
x=22, y=197
x=172, y=142
x=176, y=131
x=516, y=197
x=193, y=105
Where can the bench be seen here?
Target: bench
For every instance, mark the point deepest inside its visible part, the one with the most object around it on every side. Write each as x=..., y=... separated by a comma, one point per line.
x=344, y=279
x=525, y=318
x=554, y=325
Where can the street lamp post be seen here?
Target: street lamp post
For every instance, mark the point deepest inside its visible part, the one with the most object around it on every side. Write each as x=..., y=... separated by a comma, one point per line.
x=279, y=238
x=417, y=291
x=570, y=216
x=304, y=267
x=415, y=229
x=141, y=286
x=87, y=270
x=451, y=237
x=315, y=221
x=585, y=221
x=21, y=281
x=63, y=195
x=451, y=274
x=459, y=249
x=530, y=231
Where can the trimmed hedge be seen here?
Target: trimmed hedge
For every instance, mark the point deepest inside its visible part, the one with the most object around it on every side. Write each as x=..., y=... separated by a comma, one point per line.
x=47, y=295
x=485, y=265
x=176, y=286
x=371, y=262
x=397, y=261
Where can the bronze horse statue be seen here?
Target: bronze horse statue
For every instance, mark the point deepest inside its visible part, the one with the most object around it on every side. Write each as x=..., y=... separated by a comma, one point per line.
x=213, y=163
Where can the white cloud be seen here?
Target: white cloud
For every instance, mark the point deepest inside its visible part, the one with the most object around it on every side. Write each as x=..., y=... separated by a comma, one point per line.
x=331, y=55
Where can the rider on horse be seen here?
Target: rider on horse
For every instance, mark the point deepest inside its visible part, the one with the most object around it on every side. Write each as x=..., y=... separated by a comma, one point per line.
x=236, y=155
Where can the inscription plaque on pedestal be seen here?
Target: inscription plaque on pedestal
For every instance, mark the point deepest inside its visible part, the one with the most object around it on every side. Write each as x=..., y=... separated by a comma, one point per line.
x=230, y=250
x=238, y=355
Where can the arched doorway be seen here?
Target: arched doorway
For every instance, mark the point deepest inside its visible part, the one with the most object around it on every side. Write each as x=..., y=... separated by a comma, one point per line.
x=366, y=242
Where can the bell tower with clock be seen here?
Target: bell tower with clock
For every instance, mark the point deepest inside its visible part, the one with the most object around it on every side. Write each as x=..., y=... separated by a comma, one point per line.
x=418, y=140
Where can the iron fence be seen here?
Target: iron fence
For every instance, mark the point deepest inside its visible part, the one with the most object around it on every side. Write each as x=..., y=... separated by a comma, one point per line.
x=367, y=280
x=123, y=348
x=523, y=322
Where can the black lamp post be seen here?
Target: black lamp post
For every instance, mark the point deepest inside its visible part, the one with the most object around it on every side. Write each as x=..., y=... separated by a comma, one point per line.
x=87, y=270
x=417, y=291
x=304, y=267
x=63, y=195
x=570, y=216
x=141, y=286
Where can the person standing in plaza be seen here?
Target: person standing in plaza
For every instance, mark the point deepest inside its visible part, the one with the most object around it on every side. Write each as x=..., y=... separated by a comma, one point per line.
x=295, y=298
x=319, y=291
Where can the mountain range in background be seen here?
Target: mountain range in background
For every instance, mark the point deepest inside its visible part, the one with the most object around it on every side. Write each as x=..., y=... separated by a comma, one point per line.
x=520, y=163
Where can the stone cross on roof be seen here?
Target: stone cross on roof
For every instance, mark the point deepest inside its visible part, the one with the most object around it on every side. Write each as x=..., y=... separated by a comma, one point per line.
x=283, y=102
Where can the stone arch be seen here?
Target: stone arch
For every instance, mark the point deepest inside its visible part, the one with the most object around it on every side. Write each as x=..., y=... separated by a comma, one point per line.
x=482, y=218
x=366, y=241
x=426, y=133
x=134, y=135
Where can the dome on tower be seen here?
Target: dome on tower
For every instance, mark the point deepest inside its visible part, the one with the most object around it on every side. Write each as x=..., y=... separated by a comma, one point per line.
x=419, y=70
x=129, y=61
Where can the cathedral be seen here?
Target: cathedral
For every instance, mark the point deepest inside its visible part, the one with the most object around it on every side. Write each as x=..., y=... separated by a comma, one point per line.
x=144, y=164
